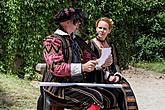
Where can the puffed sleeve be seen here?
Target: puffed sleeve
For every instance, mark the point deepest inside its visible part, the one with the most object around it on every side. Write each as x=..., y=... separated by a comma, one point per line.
x=116, y=68
x=115, y=60
x=54, y=57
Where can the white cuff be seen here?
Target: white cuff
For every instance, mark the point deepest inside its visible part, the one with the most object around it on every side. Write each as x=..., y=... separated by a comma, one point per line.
x=107, y=73
x=75, y=69
x=117, y=73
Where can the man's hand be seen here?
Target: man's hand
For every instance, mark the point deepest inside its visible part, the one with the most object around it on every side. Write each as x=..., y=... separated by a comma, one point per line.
x=89, y=66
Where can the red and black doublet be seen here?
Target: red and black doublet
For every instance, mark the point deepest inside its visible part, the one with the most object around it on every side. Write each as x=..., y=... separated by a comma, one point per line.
x=63, y=57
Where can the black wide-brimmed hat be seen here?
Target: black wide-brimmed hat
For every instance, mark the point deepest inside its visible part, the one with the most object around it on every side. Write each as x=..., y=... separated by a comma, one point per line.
x=70, y=13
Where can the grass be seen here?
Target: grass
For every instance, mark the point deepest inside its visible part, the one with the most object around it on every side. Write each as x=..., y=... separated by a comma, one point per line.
x=153, y=66
x=17, y=94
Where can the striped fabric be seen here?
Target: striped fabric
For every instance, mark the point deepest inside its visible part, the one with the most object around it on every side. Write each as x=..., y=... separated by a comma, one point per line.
x=78, y=97
x=130, y=96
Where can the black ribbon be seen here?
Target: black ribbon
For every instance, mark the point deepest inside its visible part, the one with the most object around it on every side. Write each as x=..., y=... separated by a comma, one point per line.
x=76, y=58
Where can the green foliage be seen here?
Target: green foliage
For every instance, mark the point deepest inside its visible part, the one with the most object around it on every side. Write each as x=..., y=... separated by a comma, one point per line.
x=150, y=49
x=139, y=27
x=3, y=33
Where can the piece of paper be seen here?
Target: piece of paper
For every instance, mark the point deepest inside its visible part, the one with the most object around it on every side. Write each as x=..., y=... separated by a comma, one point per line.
x=104, y=55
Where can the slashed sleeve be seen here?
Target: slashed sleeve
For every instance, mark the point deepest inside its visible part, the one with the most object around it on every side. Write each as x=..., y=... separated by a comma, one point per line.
x=115, y=60
x=54, y=57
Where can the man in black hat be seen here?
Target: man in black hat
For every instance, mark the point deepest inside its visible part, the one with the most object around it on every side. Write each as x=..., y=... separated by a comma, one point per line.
x=63, y=57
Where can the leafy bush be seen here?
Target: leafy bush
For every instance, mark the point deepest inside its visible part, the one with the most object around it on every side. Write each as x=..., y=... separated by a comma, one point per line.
x=150, y=49
x=24, y=24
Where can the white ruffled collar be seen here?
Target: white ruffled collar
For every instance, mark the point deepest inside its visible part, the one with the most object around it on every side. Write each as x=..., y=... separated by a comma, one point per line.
x=60, y=32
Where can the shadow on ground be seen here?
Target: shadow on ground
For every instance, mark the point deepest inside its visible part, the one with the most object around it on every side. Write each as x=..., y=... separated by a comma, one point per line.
x=5, y=99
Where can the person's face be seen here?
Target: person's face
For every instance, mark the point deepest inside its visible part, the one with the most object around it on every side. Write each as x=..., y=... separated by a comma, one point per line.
x=102, y=30
x=74, y=26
